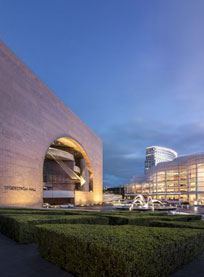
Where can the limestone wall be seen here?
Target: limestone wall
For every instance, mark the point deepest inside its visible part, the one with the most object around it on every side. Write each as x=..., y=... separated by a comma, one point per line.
x=31, y=118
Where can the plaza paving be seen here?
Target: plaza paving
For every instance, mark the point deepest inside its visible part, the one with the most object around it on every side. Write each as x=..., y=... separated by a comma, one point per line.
x=194, y=269
x=25, y=261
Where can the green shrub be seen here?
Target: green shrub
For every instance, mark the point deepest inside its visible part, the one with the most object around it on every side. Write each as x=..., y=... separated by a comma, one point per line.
x=104, y=251
x=15, y=210
x=184, y=217
x=142, y=221
x=21, y=228
x=108, y=214
x=132, y=213
x=145, y=220
x=45, y=211
x=178, y=224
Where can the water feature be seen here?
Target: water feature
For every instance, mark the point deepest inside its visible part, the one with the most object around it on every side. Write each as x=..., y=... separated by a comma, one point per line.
x=144, y=204
x=150, y=203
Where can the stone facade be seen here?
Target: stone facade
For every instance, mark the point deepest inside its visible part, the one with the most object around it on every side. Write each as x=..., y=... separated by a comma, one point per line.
x=31, y=118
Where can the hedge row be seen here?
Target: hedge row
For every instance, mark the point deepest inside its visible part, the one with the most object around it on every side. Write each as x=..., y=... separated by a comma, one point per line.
x=176, y=224
x=21, y=228
x=108, y=214
x=145, y=220
x=21, y=225
x=45, y=211
x=67, y=211
x=103, y=251
x=134, y=213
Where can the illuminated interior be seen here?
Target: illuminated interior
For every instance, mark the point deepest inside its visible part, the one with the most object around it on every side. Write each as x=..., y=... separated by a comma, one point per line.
x=66, y=170
x=180, y=179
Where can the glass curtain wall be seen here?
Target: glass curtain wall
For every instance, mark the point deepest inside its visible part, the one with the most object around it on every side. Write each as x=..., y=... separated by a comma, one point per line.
x=181, y=179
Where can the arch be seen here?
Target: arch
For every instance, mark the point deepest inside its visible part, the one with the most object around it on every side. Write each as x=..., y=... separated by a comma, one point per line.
x=66, y=139
x=71, y=166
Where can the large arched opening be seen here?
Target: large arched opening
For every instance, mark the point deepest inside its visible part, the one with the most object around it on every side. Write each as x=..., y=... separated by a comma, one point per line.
x=66, y=169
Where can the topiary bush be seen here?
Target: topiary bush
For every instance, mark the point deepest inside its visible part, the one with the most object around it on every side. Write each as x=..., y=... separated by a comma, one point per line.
x=104, y=251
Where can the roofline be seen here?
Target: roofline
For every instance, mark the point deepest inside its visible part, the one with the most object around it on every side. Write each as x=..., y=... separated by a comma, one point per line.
x=176, y=162
x=163, y=148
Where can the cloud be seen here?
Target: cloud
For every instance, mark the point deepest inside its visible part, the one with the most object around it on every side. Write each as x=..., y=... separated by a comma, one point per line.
x=124, y=145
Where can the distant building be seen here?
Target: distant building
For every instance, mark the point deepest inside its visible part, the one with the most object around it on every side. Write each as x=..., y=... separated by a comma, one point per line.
x=115, y=190
x=158, y=154
x=180, y=179
x=136, y=186
x=138, y=179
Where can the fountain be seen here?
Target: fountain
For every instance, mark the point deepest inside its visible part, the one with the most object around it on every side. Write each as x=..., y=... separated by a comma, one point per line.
x=141, y=204
x=146, y=204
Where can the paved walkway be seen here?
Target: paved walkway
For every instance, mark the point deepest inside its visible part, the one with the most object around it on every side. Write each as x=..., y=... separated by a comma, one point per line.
x=25, y=261
x=194, y=269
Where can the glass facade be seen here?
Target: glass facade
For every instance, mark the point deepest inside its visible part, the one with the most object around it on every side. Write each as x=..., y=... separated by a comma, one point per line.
x=158, y=154
x=182, y=178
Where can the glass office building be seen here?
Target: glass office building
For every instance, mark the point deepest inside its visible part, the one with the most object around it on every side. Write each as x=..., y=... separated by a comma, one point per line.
x=158, y=154
x=180, y=179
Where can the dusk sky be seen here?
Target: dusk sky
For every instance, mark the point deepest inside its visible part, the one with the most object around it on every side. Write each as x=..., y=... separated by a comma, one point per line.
x=132, y=70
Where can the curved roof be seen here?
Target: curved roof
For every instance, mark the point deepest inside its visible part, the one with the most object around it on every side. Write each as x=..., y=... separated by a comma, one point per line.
x=164, y=149
x=178, y=162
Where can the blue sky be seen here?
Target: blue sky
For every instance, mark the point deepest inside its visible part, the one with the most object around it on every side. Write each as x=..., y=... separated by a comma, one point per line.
x=132, y=70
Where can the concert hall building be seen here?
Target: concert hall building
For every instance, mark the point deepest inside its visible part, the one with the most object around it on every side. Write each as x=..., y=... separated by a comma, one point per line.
x=47, y=153
x=180, y=179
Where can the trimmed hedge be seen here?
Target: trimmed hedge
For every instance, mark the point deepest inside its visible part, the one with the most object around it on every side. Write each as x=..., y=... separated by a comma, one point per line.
x=45, y=211
x=104, y=251
x=145, y=220
x=114, y=217
x=176, y=224
x=135, y=213
x=110, y=213
x=21, y=228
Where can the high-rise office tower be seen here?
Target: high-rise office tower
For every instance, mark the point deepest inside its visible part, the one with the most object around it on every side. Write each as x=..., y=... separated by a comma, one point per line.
x=158, y=154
